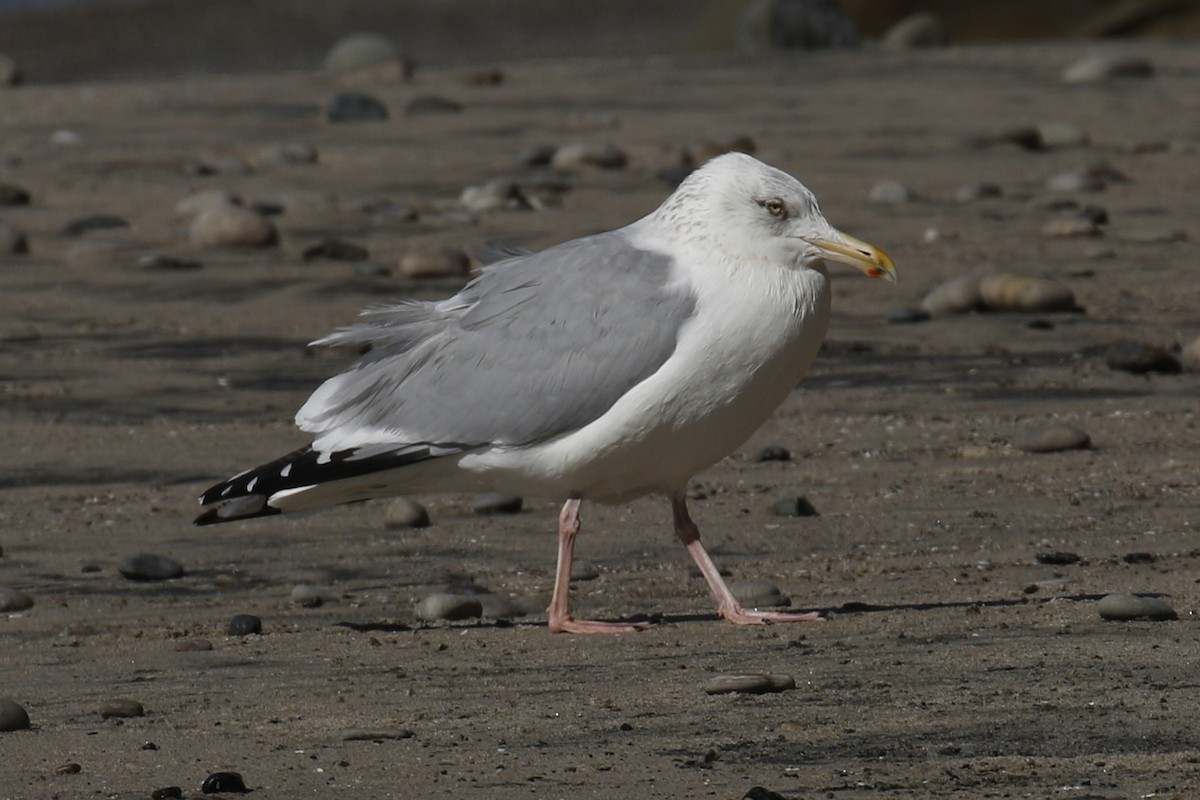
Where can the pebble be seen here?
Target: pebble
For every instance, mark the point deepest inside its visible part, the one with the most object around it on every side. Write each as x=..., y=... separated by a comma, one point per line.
x=1125, y=607
x=13, y=717
x=435, y=263
x=432, y=104
x=404, y=512
x=493, y=196
x=1071, y=228
x=1007, y=291
x=167, y=793
x=13, y=195
x=1140, y=358
x=374, y=734
x=355, y=107
x=94, y=222
x=453, y=607
x=334, y=250
x=1053, y=439
x=890, y=192
x=535, y=155
x=580, y=155
x=1139, y=558
x=232, y=226
x=762, y=793
x=224, y=782
x=1189, y=359
x=794, y=507
x=1151, y=235
x=497, y=503
x=1100, y=67
x=773, y=452
x=193, y=646
x=758, y=593
x=122, y=709
x=923, y=29
x=13, y=600
x=1057, y=557
x=306, y=596
x=1075, y=181
x=749, y=683
x=368, y=55
x=979, y=190
x=166, y=263
x=205, y=200
x=13, y=240
x=245, y=625
x=149, y=567
x=906, y=315
x=10, y=73
x=955, y=296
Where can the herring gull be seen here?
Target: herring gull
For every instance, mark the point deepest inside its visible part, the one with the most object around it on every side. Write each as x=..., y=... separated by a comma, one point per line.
x=608, y=368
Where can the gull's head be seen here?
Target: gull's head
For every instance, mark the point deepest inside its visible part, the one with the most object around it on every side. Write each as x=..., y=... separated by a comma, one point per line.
x=749, y=210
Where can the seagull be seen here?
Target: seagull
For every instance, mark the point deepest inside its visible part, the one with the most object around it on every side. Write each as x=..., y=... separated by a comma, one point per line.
x=609, y=367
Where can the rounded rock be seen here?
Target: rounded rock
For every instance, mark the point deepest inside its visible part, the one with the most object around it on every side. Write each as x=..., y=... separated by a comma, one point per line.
x=1126, y=607
x=224, y=782
x=794, y=507
x=749, y=683
x=451, y=607
x=758, y=593
x=580, y=155
x=444, y=262
x=245, y=625
x=122, y=709
x=404, y=512
x=890, y=192
x=1189, y=359
x=13, y=717
x=167, y=793
x=1007, y=291
x=232, y=226
x=956, y=296
x=1107, y=66
x=306, y=596
x=1053, y=439
x=374, y=734
x=1060, y=558
x=13, y=600
x=493, y=196
x=923, y=29
x=149, y=567
x=370, y=53
x=773, y=452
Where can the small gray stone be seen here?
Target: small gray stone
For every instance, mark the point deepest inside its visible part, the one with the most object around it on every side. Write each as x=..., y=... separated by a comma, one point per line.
x=149, y=567
x=906, y=315
x=1126, y=607
x=355, y=107
x=122, y=709
x=245, y=625
x=13, y=600
x=232, y=226
x=1107, y=66
x=758, y=593
x=749, y=683
x=794, y=507
x=404, y=512
x=919, y=30
x=1140, y=358
x=890, y=192
x=494, y=195
x=306, y=596
x=955, y=296
x=13, y=240
x=432, y=104
x=1060, y=558
x=497, y=503
x=1189, y=359
x=374, y=734
x=446, y=606
x=773, y=452
x=443, y=262
x=369, y=55
x=13, y=717
x=1006, y=291
x=1053, y=439
x=1075, y=181
x=580, y=156
x=1054, y=135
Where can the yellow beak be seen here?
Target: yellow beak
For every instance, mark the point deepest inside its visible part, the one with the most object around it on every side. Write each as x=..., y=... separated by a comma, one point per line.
x=858, y=254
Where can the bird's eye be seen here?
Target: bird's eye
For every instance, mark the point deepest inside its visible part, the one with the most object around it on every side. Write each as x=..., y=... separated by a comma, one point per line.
x=776, y=208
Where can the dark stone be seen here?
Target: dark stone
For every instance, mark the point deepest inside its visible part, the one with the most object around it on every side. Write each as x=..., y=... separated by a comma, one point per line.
x=13, y=195
x=759, y=793
x=335, y=250
x=1140, y=358
x=13, y=717
x=794, y=507
x=1139, y=558
x=149, y=567
x=224, y=782
x=773, y=452
x=94, y=222
x=536, y=155
x=1058, y=557
x=245, y=625
x=167, y=793
x=355, y=107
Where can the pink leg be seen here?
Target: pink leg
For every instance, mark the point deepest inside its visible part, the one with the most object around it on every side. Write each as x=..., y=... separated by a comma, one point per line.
x=560, y=619
x=727, y=605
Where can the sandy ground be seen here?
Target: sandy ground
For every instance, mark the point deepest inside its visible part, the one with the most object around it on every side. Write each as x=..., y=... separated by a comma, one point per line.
x=951, y=665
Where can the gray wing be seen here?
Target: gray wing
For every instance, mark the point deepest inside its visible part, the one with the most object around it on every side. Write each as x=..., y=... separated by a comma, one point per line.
x=536, y=346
